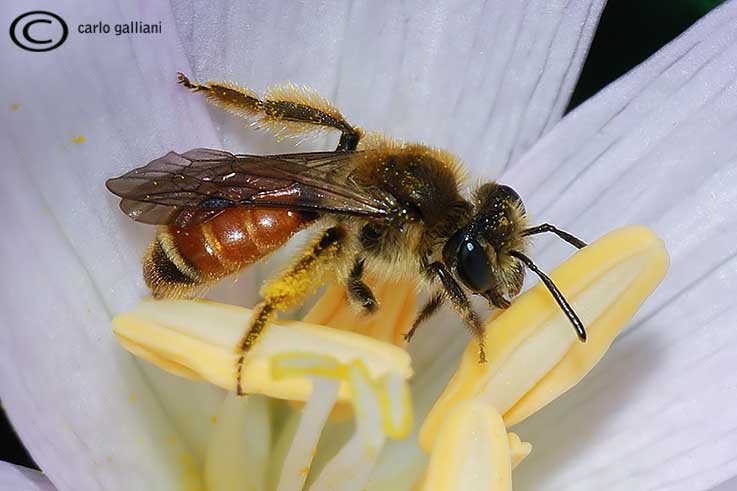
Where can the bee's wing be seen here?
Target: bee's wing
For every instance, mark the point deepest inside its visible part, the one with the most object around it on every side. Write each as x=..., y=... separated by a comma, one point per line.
x=193, y=187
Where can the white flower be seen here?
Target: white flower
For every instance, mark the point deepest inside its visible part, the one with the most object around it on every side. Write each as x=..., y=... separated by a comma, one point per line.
x=487, y=82
x=533, y=356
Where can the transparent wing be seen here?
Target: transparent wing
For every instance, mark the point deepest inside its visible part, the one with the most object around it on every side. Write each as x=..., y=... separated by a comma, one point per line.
x=193, y=187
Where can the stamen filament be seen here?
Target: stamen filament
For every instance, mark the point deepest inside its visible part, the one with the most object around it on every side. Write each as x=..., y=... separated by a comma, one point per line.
x=351, y=467
x=239, y=445
x=298, y=461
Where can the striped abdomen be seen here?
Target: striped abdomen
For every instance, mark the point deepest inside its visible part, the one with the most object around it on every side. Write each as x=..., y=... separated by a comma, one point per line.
x=183, y=261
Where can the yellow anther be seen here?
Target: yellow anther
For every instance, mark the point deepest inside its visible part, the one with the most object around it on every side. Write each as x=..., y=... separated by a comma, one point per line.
x=199, y=339
x=473, y=452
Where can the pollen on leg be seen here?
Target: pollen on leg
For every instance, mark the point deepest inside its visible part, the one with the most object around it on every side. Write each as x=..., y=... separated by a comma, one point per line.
x=303, y=96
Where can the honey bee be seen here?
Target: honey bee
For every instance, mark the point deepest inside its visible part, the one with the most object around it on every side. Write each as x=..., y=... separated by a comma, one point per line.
x=384, y=206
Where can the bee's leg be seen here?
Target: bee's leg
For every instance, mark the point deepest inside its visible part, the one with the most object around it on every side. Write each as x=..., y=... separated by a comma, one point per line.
x=497, y=299
x=546, y=227
x=460, y=303
x=292, y=287
x=358, y=291
x=430, y=308
x=287, y=109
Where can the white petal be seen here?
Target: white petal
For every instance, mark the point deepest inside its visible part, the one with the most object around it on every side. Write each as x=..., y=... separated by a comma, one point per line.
x=726, y=485
x=657, y=147
x=78, y=401
x=484, y=79
x=17, y=478
x=191, y=406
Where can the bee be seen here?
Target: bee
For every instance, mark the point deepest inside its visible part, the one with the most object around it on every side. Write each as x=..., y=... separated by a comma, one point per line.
x=383, y=206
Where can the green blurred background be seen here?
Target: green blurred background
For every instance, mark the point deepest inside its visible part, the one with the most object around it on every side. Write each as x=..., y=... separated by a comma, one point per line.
x=629, y=31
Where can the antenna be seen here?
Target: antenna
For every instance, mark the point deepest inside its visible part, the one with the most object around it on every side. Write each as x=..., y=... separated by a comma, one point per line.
x=546, y=227
x=557, y=295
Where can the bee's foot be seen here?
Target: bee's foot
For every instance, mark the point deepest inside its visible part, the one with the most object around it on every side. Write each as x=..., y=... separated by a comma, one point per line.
x=184, y=80
x=369, y=306
x=193, y=86
x=408, y=336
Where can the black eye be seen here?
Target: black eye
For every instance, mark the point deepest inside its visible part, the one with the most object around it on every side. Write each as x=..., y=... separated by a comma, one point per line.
x=473, y=266
x=510, y=193
x=506, y=190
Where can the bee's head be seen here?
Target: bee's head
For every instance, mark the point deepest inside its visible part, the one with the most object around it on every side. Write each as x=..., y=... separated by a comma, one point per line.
x=487, y=254
x=478, y=253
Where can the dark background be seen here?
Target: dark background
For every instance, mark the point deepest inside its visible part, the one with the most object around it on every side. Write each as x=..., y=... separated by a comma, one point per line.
x=629, y=31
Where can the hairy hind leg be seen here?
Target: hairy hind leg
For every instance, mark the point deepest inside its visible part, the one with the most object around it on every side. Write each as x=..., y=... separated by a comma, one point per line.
x=288, y=109
x=291, y=288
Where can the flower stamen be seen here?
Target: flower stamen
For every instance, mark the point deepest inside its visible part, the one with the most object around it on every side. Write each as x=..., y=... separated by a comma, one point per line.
x=199, y=340
x=473, y=451
x=381, y=407
x=294, y=361
x=297, y=464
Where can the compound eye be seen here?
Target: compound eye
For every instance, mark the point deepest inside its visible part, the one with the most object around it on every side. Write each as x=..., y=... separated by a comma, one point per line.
x=473, y=266
x=511, y=193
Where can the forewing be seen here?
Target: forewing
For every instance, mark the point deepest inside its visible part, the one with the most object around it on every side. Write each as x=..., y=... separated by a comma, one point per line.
x=170, y=190
x=195, y=186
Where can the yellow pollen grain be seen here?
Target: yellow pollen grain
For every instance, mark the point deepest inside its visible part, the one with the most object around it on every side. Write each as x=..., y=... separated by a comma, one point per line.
x=79, y=139
x=15, y=106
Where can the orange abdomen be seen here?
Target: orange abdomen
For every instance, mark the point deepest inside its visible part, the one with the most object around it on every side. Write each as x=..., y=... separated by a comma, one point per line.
x=182, y=261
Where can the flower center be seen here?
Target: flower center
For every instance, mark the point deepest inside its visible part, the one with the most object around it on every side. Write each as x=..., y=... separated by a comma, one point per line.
x=533, y=357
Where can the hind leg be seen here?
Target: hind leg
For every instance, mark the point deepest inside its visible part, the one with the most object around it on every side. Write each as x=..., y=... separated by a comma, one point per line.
x=287, y=108
x=291, y=288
